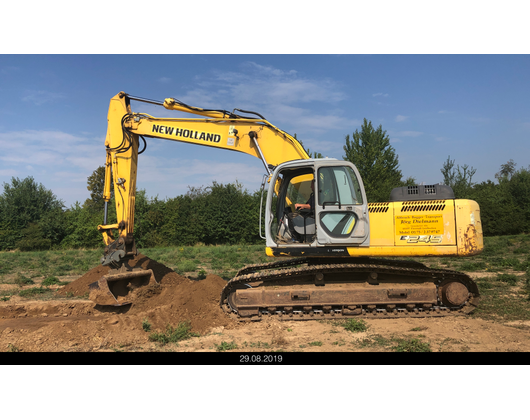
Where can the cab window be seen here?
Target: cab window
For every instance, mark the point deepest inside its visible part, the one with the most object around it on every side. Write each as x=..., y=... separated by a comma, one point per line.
x=338, y=185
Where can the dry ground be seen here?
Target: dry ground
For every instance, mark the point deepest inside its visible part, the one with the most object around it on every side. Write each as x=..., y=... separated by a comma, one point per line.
x=72, y=324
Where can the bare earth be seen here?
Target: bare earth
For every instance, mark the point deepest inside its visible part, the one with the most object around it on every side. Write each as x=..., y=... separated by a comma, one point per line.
x=75, y=325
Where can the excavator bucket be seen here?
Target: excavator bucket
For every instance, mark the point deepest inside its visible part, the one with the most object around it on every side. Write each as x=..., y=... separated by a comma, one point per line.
x=114, y=289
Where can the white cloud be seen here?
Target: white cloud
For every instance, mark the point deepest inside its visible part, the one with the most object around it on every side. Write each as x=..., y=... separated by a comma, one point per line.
x=286, y=98
x=50, y=149
x=326, y=148
x=172, y=176
x=306, y=120
x=264, y=86
x=269, y=70
x=384, y=95
x=60, y=161
x=40, y=97
x=9, y=173
x=164, y=80
x=57, y=141
x=202, y=98
x=302, y=91
x=72, y=176
x=400, y=118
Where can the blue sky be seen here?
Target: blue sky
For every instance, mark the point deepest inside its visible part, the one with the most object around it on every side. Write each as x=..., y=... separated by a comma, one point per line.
x=53, y=109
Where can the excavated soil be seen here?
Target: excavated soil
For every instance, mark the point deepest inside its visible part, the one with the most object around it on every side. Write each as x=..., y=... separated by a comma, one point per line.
x=71, y=322
x=174, y=299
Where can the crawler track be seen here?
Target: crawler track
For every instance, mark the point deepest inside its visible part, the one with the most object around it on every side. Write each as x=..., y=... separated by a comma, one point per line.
x=308, y=288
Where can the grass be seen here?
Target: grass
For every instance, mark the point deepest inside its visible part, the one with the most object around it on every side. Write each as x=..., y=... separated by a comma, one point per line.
x=396, y=344
x=21, y=280
x=504, y=297
x=174, y=335
x=411, y=345
x=146, y=325
x=355, y=325
x=52, y=280
x=198, y=261
x=226, y=346
x=49, y=263
x=503, y=280
x=42, y=291
x=34, y=291
x=500, y=254
x=259, y=345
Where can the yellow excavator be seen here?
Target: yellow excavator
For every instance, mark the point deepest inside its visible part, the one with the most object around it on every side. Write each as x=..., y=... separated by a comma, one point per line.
x=335, y=246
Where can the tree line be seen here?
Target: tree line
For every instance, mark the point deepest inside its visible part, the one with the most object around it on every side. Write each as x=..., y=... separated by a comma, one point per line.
x=504, y=205
x=217, y=214
x=33, y=218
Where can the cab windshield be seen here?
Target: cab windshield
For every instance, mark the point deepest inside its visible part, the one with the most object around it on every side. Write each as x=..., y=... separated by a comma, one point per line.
x=338, y=185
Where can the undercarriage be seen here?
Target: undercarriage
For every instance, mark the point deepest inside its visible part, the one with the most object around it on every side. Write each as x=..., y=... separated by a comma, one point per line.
x=332, y=288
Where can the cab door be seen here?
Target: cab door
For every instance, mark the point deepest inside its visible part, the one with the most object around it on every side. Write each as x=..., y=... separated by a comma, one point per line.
x=341, y=207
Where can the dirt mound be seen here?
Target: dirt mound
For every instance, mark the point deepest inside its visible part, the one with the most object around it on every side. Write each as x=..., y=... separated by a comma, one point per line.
x=79, y=287
x=174, y=299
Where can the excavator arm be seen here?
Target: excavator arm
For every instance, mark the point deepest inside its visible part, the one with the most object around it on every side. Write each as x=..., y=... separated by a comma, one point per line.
x=221, y=129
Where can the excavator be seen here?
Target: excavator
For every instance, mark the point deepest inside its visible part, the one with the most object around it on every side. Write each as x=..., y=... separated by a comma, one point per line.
x=337, y=253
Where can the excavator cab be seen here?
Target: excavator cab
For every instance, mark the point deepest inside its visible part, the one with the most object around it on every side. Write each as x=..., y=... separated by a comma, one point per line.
x=338, y=213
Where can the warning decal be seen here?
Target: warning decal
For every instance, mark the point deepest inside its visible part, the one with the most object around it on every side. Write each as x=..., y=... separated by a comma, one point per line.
x=431, y=224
